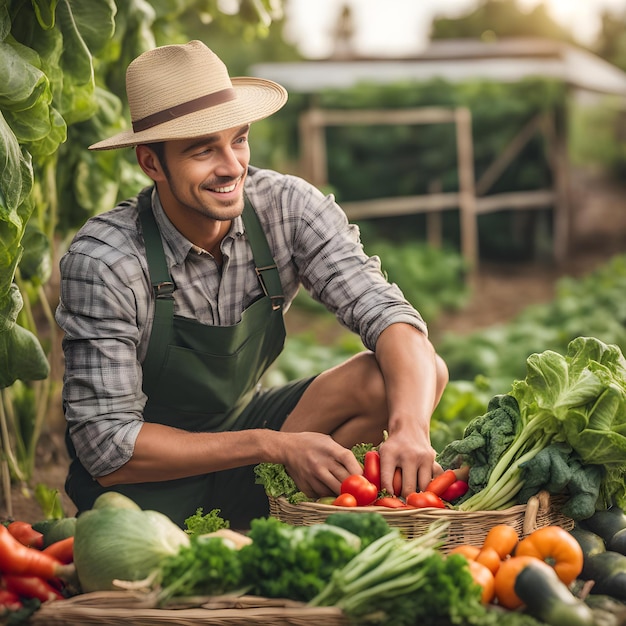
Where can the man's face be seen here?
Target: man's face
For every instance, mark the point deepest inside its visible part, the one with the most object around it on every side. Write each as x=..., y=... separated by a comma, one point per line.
x=206, y=174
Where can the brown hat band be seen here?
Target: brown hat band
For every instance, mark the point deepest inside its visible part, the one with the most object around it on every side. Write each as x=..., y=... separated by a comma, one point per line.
x=203, y=102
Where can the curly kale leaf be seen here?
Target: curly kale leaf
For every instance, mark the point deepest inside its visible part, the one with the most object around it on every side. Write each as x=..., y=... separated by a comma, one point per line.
x=560, y=471
x=275, y=480
x=207, y=566
x=295, y=562
x=199, y=524
x=360, y=449
x=484, y=441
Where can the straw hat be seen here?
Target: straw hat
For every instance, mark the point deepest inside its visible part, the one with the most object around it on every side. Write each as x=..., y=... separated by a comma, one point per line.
x=184, y=91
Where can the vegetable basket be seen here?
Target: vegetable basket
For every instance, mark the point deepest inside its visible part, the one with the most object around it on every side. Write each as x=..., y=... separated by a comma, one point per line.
x=114, y=608
x=464, y=527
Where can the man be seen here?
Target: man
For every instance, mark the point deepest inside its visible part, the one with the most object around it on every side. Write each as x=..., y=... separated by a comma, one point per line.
x=172, y=306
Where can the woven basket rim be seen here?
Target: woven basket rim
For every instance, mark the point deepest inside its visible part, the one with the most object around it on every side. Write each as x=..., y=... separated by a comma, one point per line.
x=436, y=511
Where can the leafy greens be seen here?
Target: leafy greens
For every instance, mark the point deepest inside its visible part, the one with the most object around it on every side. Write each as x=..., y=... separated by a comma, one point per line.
x=578, y=399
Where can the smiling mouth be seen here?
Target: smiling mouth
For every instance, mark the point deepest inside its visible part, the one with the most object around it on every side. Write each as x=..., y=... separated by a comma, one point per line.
x=225, y=188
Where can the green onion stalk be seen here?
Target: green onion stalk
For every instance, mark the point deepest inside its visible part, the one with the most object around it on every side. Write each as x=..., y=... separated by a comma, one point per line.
x=387, y=568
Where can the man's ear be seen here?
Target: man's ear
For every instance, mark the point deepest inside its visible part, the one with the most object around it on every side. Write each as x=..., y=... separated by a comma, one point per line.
x=149, y=162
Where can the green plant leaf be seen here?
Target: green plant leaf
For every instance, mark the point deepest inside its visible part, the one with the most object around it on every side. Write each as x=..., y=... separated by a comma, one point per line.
x=44, y=10
x=21, y=354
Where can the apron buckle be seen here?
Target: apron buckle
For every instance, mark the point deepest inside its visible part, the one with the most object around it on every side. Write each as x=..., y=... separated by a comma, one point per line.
x=259, y=274
x=277, y=302
x=164, y=290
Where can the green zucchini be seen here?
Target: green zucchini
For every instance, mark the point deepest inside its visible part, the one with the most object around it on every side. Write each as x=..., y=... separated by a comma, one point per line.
x=608, y=571
x=62, y=529
x=589, y=542
x=606, y=522
x=54, y=530
x=550, y=600
x=617, y=543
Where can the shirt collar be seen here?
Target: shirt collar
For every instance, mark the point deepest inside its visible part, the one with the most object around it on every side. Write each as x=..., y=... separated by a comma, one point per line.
x=177, y=244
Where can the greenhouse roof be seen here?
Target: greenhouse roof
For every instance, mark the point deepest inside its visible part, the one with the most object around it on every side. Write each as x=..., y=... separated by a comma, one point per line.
x=455, y=61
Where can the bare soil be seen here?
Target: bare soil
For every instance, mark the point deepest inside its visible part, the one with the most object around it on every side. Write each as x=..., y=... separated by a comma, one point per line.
x=500, y=292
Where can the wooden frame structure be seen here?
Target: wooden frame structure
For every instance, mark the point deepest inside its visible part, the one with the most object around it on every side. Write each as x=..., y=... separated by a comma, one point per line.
x=470, y=198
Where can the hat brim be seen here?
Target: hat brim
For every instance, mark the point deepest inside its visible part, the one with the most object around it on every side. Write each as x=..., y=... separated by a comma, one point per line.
x=257, y=98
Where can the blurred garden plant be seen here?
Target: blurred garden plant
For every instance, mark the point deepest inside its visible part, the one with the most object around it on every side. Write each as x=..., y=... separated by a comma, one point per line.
x=60, y=87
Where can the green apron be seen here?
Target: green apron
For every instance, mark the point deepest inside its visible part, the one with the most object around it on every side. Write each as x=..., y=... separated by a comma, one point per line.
x=198, y=378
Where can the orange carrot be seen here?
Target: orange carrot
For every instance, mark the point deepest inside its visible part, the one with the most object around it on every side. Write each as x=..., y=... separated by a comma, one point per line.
x=26, y=534
x=18, y=559
x=62, y=550
x=31, y=587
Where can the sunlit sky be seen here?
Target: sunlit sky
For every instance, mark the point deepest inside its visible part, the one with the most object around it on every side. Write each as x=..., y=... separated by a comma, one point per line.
x=398, y=27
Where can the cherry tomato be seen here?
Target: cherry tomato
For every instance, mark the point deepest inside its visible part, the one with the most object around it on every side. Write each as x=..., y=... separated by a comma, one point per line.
x=371, y=467
x=440, y=483
x=362, y=489
x=425, y=499
x=457, y=489
x=391, y=502
x=345, y=499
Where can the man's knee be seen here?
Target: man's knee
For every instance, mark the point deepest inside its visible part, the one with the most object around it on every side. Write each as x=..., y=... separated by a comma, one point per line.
x=443, y=375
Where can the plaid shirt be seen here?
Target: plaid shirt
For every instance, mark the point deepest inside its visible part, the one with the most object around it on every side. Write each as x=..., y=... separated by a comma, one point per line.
x=106, y=301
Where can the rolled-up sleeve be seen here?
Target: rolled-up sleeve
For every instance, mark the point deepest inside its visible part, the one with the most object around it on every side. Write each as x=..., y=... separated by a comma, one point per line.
x=335, y=269
x=98, y=312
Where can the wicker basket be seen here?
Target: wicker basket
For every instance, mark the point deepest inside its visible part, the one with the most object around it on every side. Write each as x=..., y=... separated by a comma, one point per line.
x=126, y=608
x=465, y=527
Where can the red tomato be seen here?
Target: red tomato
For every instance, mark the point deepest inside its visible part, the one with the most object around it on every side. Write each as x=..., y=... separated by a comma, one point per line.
x=425, y=499
x=391, y=502
x=371, y=467
x=345, y=499
x=397, y=482
x=362, y=489
x=440, y=483
x=457, y=489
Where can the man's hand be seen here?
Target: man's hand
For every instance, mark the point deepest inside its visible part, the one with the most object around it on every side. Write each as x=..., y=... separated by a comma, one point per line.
x=317, y=463
x=414, y=456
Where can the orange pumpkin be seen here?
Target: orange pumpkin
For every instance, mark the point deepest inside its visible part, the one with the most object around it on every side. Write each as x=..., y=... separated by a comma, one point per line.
x=505, y=581
x=466, y=550
x=489, y=558
x=558, y=548
x=483, y=577
x=502, y=538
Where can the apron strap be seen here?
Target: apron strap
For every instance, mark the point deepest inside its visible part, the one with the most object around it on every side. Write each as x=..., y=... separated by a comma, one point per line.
x=159, y=272
x=163, y=287
x=265, y=266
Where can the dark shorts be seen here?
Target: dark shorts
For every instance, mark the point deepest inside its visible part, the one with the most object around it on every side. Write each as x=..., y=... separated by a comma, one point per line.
x=234, y=491
x=270, y=407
